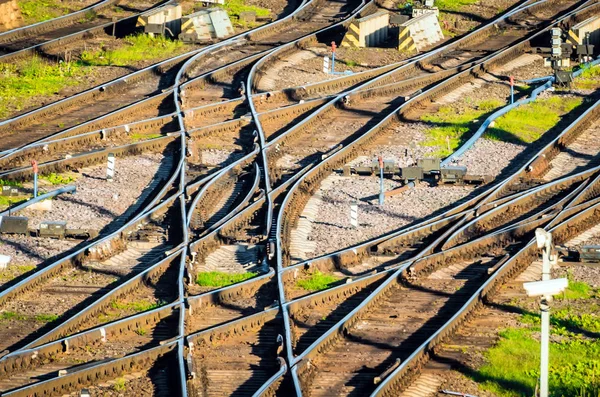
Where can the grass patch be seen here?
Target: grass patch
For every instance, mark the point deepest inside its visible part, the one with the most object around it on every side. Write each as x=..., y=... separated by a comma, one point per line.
x=220, y=279
x=41, y=10
x=453, y=5
x=7, y=201
x=527, y=123
x=449, y=125
x=589, y=78
x=137, y=306
x=351, y=63
x=512, y=366
x=577, y=290
x=46, y=318
x=25, y=79
x=235, y=7
x=6, y=182
x=12, y=316
x=57, y=179
x=317, y=281
x=119, y=385
x=143, y=137
x=136, y=48
x=15, y=271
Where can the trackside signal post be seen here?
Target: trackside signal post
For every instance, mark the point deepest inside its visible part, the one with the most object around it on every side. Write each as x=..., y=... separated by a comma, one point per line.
x=545, y=289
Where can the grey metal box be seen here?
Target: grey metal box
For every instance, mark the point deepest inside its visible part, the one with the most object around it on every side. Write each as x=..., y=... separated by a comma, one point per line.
x=11, y=191
x=412, y=173
x=54, y=229
x=453, y=173
x=429, y=164
x=14, y=225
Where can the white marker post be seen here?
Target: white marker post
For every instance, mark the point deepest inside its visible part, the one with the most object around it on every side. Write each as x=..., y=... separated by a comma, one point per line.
x=110, y=167
x=354, y=214
x=326, y=65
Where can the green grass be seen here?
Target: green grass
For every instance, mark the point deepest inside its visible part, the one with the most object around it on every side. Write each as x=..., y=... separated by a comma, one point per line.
x=137, y=306
x=119, y=385
x=14, y=271
x=453, y=5
x=12, y=316
x=57, y=179
x=589, y=78
x=7, y=201
x=577, y=290
x=351, y=63
x=236, y=7
x=219, y=279
x=6, y=182
x=41, y=10
x=46, y=318
x=317, y=281
x=25, y=79
x=136, y=48
x=527, y=123
x=136, y=137
x=512, y=366
x=448, y=123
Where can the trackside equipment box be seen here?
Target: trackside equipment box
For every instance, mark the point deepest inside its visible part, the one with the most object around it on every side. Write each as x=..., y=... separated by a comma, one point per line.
x=205, y=25
x=14, y=225
x=163, y=20
x=53, y=229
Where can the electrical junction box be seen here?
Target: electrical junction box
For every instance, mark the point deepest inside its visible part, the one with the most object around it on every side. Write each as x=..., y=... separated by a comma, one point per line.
x=53, y=229
x=14, y=225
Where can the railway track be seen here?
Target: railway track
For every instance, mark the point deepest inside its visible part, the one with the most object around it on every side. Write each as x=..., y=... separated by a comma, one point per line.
x=394, y=294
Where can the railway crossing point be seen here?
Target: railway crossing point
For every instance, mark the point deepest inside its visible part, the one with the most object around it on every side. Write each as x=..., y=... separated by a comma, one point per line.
x=110, y=167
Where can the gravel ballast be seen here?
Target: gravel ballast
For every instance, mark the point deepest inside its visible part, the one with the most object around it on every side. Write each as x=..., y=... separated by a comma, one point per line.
x=94, y=205
x=333, y=231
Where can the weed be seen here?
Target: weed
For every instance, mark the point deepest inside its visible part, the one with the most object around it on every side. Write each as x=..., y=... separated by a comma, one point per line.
x=513, y=366
x=141, y=331
x=22, y=80
x=41, y=10
x=7, y=201
x=143, y=137
x=119, y=385
x=57, y=179
x=527, y=123
x=449, y=126
x=46, y=318
x=589, y=77
x=236, y=7
x=6, y=182
x=90, y=15
x=12, y=316
x=453, y=5
x=317, y=281
x=136, y=48
x=220, y=279
x=577, y=290
x=351, y=63
x=137, y=306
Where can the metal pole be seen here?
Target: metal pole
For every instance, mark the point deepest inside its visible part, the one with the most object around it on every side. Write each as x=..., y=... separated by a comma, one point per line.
x=512, y=90
x=381, y=194
x=34, y=165
x=333, y=47
x=544, y=359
